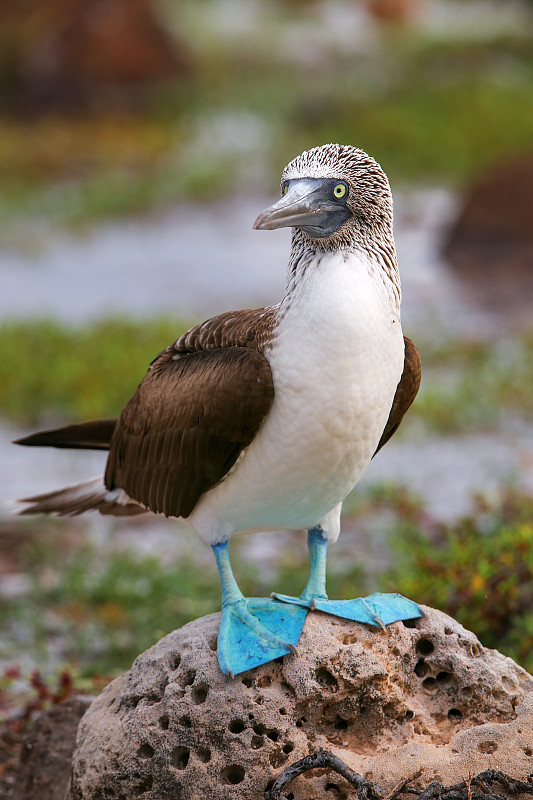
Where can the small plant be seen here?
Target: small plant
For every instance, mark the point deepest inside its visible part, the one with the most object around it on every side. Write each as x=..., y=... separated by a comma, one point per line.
x=23, y=696
x=479, y=570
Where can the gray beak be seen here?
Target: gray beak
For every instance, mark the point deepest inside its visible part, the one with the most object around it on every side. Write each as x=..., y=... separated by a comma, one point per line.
x=308, y=204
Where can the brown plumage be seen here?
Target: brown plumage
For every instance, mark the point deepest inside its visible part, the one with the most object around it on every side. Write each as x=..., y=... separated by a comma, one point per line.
x=186, y=425
x=201, y=403
x=406, y=391
x=95, y=435
x=251, y=328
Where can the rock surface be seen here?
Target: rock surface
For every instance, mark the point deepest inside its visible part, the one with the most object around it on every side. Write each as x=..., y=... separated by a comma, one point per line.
x=422, y=694
x=490, y=246
x=46, y=756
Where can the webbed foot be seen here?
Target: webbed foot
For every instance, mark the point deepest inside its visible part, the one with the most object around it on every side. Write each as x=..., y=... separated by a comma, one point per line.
x=256, y=630
x=377, y=609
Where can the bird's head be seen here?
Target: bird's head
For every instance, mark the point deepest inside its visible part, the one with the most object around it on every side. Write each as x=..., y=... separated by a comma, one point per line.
x=335, y=194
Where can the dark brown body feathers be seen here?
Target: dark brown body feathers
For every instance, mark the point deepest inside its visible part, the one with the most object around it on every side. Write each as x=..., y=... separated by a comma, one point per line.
x=200, y=405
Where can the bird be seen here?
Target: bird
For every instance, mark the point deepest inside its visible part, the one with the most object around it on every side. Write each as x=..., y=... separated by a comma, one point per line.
x=265, y=419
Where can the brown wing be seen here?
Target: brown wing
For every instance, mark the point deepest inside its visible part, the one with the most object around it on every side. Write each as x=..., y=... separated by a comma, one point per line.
x=95, y=435
x=250, y=328
x=186, y=425
x=406, y=391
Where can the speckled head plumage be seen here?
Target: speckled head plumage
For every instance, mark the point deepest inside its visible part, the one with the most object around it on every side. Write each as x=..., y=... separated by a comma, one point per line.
x=369, y=199
x=335, y=197
x=341, y=161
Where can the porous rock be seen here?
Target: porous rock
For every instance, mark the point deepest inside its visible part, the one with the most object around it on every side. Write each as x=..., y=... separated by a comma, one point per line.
x=420, y=694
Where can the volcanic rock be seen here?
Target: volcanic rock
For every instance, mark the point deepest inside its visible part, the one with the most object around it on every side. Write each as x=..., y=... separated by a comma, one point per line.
x=422, y=694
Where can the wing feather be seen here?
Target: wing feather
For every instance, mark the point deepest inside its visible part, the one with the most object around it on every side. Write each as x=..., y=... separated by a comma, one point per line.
x=94, y=435
x=406, y=391
x=186, y=425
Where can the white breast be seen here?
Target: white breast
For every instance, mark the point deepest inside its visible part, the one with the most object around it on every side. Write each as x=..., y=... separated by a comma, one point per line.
x=336, y=361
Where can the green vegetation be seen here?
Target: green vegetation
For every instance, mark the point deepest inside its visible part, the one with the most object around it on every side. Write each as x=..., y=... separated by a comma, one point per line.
x=51, y=372
x=108, y=609
x=470, y=385
x=428, y=109
x=480, y=571
x=104, y=606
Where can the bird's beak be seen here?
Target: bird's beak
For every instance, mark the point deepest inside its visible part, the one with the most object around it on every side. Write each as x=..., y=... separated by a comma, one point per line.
x=307, y=204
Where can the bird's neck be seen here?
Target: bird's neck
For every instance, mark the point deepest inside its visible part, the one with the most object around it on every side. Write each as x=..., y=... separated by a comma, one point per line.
x=377, y=249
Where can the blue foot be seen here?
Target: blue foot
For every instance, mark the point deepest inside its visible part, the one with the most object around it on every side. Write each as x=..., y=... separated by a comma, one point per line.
x=256, y=630
x=377, y=609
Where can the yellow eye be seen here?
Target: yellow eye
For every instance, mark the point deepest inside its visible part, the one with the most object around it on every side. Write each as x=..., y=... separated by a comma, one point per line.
x=339, y=191
x=285, y=188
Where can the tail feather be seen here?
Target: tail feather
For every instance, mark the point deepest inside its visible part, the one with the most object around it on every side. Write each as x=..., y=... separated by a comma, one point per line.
x=87, y=496
x=95, y=435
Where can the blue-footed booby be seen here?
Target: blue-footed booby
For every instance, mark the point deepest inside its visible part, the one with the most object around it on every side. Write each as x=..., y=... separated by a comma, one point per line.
x=265, y=419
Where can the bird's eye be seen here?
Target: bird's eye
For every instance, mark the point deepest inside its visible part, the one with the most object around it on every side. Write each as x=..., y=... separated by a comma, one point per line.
x=285, y=188
x=339, y=191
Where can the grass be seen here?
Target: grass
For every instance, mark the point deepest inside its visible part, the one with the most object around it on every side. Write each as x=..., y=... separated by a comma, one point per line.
x=52, y=372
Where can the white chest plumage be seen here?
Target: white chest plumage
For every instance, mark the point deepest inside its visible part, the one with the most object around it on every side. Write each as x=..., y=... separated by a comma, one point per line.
x=336, y=360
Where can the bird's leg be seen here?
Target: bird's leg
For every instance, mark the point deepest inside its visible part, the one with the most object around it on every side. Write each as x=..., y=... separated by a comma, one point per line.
x=377, y=609
x=252, y=630
x=315, y=588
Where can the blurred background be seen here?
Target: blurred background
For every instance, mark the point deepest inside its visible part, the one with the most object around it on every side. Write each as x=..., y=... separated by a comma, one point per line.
x=139, y=139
